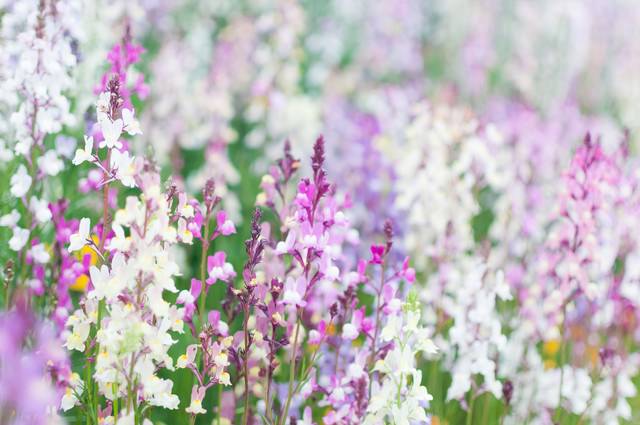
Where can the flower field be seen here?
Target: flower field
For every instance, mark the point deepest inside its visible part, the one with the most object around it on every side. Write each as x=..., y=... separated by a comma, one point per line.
x=329, y=212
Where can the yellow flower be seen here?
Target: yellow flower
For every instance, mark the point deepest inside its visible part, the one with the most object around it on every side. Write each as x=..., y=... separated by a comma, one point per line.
x=331, y=330
x=81, y=283
x=87, y=250
x=551, y=347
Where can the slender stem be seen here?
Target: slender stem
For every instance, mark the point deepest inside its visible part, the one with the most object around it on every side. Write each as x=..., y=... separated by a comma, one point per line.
x=115, y=403
x=97, y=353
x=88, y=389
x=136, y=414
x=470, y=412
x=105, y=230
x=245, y=414
x=485, y=410
x=558, y=411
x=219, y=410
x=372, y=356
x=203, y=272
x=292, y=370
x=505, y=413
x=105, y=206
x=269, y=372
x=398, y=399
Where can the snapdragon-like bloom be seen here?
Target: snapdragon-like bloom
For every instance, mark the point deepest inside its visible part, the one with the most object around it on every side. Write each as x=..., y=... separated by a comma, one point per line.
x=401, y=398
x=568, y=264
x=476, y=337
x=134, y=332
x=37, y=62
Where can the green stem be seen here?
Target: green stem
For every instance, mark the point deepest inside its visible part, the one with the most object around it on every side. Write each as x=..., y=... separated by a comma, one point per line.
x=115, y=403
x=470, y=412
x=292, y=370
x=88, y=390
x=399, y=401
x=558, y=411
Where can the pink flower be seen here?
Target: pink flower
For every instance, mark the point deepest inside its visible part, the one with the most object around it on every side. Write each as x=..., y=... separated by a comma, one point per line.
x=225, y=226
x=286, y=246
x=408, y=273
x=218, y=325
x=317, y=335
x=188, y=299
x=358, y=324
x=219, y=269
x=294, y=292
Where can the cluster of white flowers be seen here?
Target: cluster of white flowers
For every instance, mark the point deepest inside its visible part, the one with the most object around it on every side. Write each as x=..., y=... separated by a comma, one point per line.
x=126, y=302
x=600, y=395
x=121, y=166
x=609, y=401
x=475, y=339
x=441, y=164
x=401, y=398
x=536, y=385
x=36, y=62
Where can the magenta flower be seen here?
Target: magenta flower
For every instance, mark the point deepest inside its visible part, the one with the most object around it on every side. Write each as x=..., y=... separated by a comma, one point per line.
x=377, y=254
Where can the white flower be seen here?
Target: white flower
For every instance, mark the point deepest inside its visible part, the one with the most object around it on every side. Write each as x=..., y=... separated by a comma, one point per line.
x=119, y=242
x=349, y=331
x=69, y=400
x=78, y=240
x=80, y=331
x=111, y=131
x=20, y=182
x=76, y=387
x=400, y=398
x=40, y=209
x=476, y=335
x=195, y=408
x=503, y=291
x=19, y=238
x=131, y=125
x=85, y=154
x=392, y=328
x=40, y=254
x=123, y=163
x=10, y=220
x=50, y=163
x=101, y=283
